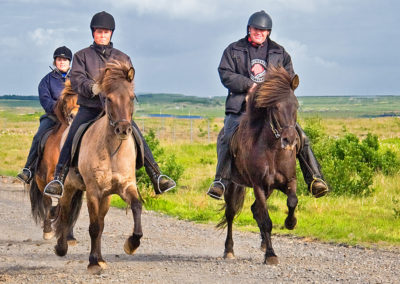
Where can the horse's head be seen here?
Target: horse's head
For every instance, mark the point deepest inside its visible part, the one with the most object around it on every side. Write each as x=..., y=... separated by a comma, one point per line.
x=116, y=83
x=67, y=107
x=274, y=102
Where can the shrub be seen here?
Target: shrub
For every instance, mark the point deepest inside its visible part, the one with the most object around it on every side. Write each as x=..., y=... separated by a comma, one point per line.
x=349, y=164
x=167, y=163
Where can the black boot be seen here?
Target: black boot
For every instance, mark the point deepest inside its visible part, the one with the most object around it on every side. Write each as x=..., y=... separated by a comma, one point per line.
x=55, y=188
x=310, y=167
x=217, y=189
x=25, y=175
x=161, y=183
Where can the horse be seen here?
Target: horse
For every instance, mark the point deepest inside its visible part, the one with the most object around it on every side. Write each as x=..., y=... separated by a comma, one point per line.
x=106, y=166
x=264, y=157
x=41, y=205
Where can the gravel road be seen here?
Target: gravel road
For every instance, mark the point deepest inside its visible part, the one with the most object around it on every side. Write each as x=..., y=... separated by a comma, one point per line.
x=174, y=251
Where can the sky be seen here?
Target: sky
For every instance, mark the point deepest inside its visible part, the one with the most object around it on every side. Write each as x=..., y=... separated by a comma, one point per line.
x=338, y=47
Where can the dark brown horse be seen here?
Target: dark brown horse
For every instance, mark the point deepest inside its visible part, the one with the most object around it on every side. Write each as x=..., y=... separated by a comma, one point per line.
x=41, y=205
x=107, y=164
x=264, y=151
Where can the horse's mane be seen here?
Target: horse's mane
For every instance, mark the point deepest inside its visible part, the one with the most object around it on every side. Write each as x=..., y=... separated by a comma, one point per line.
x=275, y=88
x=61, y=101
x=112, y=74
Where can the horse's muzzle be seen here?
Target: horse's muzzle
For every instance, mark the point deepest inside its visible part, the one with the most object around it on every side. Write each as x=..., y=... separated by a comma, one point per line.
x=123, y=130
x=289, y=139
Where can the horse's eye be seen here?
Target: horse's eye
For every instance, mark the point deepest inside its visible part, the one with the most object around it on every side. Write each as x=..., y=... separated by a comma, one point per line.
x=108, y=100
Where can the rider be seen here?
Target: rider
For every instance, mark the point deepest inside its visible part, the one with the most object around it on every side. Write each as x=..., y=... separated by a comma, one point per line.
x=86, y=68
x=244, y=65
x=50, y=88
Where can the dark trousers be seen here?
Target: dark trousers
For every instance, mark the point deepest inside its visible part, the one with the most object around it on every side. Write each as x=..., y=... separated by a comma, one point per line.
x=45, y=124
x=231, y=123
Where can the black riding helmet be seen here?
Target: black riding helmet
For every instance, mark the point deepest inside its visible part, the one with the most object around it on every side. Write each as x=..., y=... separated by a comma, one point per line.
x=102, y=20
x=63, y=52
x=260, y=20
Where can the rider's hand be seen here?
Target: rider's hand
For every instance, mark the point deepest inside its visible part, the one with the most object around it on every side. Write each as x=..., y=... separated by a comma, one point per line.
x=252, y=88
x=96, y=89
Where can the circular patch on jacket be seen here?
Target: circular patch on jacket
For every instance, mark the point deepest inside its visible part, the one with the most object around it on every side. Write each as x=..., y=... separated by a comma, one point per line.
x=258, y=70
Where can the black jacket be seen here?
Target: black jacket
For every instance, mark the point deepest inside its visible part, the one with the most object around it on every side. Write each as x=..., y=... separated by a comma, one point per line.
x=86, y=67
x=234, y=70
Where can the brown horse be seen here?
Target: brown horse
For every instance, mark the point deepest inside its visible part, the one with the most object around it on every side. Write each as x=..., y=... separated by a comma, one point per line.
x=106, y=163
x=264, y=150
x=41, y=205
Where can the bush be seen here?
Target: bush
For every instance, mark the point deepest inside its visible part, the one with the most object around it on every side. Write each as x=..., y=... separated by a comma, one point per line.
x=349, y=164
x=167, y=163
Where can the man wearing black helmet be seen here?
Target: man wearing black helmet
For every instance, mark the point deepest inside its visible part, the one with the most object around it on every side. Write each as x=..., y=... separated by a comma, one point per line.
x=50, y=88
x=86, y=68
x=243, y=65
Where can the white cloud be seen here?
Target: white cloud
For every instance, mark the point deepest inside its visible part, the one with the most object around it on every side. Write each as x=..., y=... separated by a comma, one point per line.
x=42, y=36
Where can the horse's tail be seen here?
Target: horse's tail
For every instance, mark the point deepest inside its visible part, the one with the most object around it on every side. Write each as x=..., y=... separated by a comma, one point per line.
x=75, y=208
x=38, y=208
x=234, y=201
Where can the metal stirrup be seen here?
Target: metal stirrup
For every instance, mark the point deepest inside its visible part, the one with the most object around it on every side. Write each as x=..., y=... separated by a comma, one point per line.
x=320, y=180
x=158, y=183
x=30, y=175
x=213, y=195
x=54, y=195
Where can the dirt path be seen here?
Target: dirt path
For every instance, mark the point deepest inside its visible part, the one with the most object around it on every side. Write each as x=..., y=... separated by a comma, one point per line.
x=174, y=251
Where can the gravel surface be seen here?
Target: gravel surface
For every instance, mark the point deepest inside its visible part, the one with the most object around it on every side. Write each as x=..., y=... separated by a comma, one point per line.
x=174, y=251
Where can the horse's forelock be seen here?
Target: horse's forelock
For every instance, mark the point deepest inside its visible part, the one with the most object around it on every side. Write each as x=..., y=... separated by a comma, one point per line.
x=275, y=88
x=113, y=73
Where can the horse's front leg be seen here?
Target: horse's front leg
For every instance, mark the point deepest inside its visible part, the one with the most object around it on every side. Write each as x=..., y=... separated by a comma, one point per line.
x=260, y=214
x=133, y=242
x=98, y=208
x=48, y=232
x=291, y=221
x=229, y=216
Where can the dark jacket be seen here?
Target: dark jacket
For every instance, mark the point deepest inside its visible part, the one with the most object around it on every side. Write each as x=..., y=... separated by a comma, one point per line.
x=86, y=67
x=234, y=70
x=50, y=88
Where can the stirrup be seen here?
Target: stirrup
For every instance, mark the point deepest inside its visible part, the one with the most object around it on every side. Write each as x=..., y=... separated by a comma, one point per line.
x=213, y=195
x=158, y=184
x=29, y=178
x=321, y=193
x=54, y=195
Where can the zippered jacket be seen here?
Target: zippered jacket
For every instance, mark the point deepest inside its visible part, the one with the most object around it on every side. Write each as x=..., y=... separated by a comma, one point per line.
x=50, y=88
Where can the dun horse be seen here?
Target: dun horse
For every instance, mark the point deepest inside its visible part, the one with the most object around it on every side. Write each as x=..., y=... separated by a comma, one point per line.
x=65, y=109
x=106, y=163
x=264, y=151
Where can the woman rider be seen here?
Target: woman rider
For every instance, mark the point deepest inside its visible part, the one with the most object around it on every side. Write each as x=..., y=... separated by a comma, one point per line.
x=50, y=88
x=86, y=67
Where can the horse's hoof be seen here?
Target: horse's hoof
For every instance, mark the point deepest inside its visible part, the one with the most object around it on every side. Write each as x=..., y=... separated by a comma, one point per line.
x=103, y=264
x=60, y=251
x=94, y=269
x=48, y=236
x=229, y=255
x=72, y=242
x=271, y=260
x=128, y=249
x=290, y=225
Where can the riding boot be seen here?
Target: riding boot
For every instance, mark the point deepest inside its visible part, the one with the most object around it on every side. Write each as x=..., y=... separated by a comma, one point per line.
x=25, y=175
x=55, y=188
x=161, y=183
x=217, y=187
x=310, y=166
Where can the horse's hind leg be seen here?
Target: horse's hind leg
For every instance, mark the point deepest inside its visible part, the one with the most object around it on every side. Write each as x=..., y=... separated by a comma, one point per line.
x=48, y=232
x=133, y=242
x=260, y=214
x=97, y=211
x=234, y=201
x=291, y=221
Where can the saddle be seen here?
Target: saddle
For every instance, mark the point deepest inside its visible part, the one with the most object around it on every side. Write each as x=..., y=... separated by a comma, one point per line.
x=76, y=143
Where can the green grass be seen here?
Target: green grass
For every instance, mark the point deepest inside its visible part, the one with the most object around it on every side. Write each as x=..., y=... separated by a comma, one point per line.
x=369, y=221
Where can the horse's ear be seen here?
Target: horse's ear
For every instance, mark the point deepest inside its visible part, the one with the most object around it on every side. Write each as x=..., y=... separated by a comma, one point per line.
x=131, y=74
x=295, y=82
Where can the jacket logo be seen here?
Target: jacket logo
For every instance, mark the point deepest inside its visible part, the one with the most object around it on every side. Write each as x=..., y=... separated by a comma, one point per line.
x=258, y=70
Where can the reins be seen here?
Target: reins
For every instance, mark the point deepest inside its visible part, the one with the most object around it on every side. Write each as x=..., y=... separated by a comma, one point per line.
x=275, y=126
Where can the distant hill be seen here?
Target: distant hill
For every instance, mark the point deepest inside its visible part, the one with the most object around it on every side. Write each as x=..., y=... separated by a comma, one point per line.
x=21, y=98
x=179, y=99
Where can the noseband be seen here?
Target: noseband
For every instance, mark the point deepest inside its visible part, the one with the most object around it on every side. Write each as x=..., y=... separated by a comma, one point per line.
x=276, y=127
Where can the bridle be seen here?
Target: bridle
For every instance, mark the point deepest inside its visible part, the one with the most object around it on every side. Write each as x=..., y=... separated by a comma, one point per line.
x=275, y=126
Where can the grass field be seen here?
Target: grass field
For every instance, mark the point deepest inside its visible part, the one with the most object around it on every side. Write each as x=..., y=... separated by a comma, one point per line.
x=369, y=221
